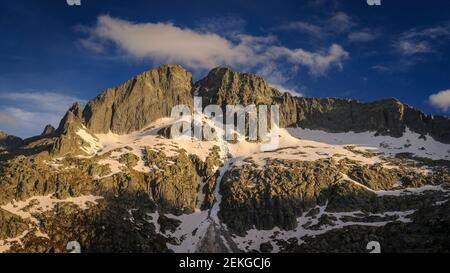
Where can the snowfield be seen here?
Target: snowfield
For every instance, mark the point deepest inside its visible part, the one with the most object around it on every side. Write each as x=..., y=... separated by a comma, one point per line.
x=295, y=144
x=410, y=142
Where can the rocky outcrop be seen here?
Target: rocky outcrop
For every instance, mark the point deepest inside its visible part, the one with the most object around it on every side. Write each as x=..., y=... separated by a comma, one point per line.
x=69, y=141
x=139, y=101
x=179, y=195
x=49, y=130
x=8, y=142
x=11, y=225
x=275, y=196
x=224, y=86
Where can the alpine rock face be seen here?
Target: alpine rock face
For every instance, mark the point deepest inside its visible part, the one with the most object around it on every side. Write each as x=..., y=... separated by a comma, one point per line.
x=112, y=178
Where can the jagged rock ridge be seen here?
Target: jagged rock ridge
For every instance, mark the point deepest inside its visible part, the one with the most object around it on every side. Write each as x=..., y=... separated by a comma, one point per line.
x=152, y=94
x=387, y=117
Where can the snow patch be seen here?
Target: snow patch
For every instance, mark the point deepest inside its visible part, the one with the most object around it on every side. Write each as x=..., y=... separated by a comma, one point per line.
x=26, y=209
x=410, y=142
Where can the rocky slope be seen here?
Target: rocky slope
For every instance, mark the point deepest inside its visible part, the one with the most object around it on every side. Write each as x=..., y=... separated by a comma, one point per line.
x=110, y=177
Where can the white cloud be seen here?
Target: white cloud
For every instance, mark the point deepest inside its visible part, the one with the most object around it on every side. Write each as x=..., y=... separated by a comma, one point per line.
x=409, y=47
x=304, y=27
x=382, y=68
x=441, y=100
x=341, y=21
x=25, y=114
x=319, y=63
x=23, y=123
x=165, y=42
x=227, y=25
x=422, y=41
x=48, y=101
x=362, y=36
x=7, y=118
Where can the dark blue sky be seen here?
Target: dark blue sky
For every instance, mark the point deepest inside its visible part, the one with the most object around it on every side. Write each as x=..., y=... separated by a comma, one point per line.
x=52, y=53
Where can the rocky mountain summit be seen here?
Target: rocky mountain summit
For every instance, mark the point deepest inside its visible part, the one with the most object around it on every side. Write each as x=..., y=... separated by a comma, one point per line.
x=111, y=177
x=139, y=101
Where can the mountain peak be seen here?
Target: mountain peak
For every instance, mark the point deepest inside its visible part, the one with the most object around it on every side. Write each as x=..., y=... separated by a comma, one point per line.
x=224, y=85
x=221, y=69
x=48, y=130
x=167, y=70
x=139, y=101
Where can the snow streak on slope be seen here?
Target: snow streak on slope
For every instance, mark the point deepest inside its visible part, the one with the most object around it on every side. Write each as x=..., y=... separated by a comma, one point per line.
x=191, y=231
x=308, y=226
x=39, y=204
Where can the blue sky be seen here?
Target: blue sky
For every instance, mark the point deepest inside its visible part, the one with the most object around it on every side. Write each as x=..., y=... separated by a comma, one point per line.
x=52, y=54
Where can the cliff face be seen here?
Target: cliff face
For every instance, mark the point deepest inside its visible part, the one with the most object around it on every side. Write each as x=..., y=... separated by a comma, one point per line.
x=139, y=101
x=224, y=86
x=387, y=117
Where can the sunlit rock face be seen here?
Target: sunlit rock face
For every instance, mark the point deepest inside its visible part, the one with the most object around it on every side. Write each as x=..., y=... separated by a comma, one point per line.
x=139, y=101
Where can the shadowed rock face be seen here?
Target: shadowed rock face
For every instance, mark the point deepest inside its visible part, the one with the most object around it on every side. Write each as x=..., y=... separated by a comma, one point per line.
x=224, y=86
x=139, y=101
x=387, y=117
x=9, y=142
x=48, y=130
